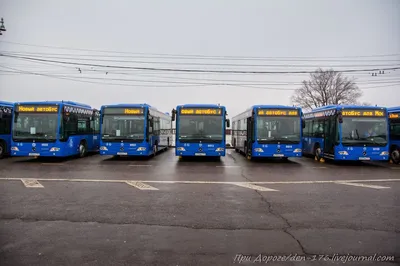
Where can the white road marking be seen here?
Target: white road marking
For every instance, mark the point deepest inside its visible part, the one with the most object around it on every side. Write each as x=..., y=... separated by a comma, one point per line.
x=52, y=163
x=140, y=185
x=361, y=185
x=31, y=183
x=395, y=168
x=319, y=167
x=140, y=165
x=227, y=166
x=251, y=186
x=205, y=182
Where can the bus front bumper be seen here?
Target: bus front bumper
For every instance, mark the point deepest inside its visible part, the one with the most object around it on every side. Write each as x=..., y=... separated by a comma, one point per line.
x=181, y=151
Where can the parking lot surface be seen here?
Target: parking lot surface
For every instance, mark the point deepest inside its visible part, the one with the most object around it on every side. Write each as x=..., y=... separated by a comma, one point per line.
x=101, y=210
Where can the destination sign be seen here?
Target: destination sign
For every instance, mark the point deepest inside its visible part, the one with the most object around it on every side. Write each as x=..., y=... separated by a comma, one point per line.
x=394, y=116
x=123, y=111
x=37, y=109
x=277, y=112
x=359, y=112
x=201, y=111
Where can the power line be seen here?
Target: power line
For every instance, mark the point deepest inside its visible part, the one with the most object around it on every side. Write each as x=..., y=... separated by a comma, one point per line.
x=69, y=56
x=79, y=79
x=202, y=64
x=193, y=70
x=194, y=55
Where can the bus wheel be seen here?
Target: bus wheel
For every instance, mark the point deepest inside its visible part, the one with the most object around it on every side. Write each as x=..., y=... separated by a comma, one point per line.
x=82, y=150
x=395, y=155
x=317, y=153
x=2, y=149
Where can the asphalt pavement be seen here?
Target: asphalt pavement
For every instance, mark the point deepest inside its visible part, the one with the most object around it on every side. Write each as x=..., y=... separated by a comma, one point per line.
x=101, y=210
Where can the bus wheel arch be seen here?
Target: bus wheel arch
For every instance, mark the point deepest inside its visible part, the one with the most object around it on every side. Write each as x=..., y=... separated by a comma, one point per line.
x=82, y=148
x=3, y=149
x=395, y=154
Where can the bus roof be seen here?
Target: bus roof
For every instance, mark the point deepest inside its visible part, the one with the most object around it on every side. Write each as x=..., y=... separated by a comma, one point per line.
x=75, y=104
x=201, y=105
x=129, y=105
x=8, y=104
x=394, y=109
x=329, y=107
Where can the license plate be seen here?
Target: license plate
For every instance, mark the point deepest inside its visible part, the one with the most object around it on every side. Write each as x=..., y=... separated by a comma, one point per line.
x=34, y=154
x=122, y=153
x=364, y=158
x=200, y=154
x=278, y=155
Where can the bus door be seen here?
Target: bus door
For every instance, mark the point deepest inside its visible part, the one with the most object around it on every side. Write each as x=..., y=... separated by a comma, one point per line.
x=250, y=134
x=329, y=135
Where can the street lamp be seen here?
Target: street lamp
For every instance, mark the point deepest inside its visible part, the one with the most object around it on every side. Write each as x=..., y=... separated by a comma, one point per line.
x=2, y=28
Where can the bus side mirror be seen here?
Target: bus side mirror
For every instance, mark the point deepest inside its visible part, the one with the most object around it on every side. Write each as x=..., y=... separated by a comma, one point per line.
x=173, y=113
x=228, y=123
x=303, y=123
x=340, y=117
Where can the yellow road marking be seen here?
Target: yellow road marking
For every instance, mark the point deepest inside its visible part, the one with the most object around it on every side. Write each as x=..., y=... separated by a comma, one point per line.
x=31, y=183
x=140, y=185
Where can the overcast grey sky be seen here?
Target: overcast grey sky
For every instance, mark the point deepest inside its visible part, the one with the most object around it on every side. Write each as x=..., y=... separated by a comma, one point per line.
x=317, y=29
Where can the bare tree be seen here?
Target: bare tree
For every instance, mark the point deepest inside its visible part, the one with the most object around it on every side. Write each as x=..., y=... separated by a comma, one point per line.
x=325, y=88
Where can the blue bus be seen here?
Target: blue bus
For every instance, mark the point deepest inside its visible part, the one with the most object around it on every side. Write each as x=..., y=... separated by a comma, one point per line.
x=200, y=130
x=347, y=132
x=54, y=129
x=5, y=128
x=134, y=130
x=394, y=120
x=268, y=131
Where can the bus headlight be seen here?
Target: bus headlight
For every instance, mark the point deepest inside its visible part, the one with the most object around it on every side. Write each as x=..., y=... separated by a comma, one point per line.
x=14, y=148
x=343, y=152
x=384, y=153
x=54, y=149
x=141, y=149
x=297, y=150
x=258, y=150
x=103, y=148
x=219, y=149
x=181, y=149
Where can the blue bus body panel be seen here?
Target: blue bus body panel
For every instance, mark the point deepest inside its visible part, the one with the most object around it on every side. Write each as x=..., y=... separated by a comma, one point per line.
x=126, y=148
x=273, y=150
x=355, y=153
x=70, y=147
x=395, y=142
x=277, y=150
x=200, y=149
x=6, y=137
x=130, y=148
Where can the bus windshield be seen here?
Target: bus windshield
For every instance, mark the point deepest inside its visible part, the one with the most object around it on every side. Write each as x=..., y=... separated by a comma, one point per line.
x=35, y=126
x=193, y=128
x=123, y=127
x=361, y=131
x=278, y=129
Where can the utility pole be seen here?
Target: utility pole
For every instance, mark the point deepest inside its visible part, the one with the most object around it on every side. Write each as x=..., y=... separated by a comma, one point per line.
x=2, y=28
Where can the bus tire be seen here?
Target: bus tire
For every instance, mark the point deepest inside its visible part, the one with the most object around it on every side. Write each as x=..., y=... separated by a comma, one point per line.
x=3, y=149
x=395, y=155
x=317, y=153
x=82, y=149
